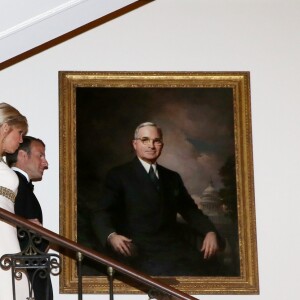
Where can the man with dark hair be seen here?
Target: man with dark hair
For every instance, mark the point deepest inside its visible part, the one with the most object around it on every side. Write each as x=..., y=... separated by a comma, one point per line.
x=29, y=163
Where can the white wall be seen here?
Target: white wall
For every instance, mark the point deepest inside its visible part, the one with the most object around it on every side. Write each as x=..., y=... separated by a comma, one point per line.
x=259, y=36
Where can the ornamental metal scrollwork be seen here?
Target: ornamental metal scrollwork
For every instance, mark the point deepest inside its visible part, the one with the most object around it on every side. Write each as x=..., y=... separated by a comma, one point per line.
x=30, y=258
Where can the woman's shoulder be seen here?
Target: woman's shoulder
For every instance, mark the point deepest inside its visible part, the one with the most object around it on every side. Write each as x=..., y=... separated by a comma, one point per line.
x=8, y=178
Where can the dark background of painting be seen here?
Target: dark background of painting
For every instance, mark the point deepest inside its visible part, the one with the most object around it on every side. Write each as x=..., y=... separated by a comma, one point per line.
x=198, y=128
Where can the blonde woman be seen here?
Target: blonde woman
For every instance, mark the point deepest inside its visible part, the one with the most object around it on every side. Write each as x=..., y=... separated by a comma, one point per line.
x=13, y=126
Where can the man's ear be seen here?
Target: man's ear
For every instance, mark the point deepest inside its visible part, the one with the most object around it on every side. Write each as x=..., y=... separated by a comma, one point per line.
x=134, y=144
x=22, y=155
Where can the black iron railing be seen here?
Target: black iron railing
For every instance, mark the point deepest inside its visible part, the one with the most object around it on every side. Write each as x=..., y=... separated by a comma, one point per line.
x=50, y=263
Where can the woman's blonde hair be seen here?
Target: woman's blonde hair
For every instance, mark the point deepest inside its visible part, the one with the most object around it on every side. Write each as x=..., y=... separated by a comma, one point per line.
x=13, y=118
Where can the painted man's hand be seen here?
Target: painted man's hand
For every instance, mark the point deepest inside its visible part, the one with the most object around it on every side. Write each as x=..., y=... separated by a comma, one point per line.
x=210, y=245
x=121, y=244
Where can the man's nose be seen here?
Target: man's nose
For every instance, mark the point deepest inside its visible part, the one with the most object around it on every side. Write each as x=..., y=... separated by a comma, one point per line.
x=151, y=143
x=45, y=164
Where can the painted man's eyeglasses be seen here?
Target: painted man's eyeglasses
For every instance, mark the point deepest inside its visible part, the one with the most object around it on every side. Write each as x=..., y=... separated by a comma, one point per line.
x=147, y=141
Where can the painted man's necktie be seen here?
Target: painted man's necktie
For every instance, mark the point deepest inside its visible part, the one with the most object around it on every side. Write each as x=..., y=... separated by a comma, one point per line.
x=153, y=177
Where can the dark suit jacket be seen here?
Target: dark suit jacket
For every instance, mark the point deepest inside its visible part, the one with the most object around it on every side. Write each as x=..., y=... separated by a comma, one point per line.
x=132, y=206
x=28, y=206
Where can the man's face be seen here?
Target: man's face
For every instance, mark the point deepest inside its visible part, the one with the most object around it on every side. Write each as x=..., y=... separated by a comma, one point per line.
x=151, y=148
x=35, y=163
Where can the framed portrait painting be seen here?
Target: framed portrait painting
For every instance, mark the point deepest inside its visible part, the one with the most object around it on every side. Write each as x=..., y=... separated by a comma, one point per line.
x=206, y=122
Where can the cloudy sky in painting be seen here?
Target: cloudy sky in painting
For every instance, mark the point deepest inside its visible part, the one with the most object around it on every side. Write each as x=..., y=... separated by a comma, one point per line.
x=197, y=126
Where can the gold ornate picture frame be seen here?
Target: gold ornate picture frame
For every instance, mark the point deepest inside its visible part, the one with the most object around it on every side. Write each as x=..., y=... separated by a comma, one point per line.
x=207, y=115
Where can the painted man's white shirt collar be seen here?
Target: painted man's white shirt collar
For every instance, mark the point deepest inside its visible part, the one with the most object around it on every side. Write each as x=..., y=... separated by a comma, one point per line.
x=147, y=166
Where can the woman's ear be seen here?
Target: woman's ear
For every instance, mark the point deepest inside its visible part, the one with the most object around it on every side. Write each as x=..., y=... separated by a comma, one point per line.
x=4, y=129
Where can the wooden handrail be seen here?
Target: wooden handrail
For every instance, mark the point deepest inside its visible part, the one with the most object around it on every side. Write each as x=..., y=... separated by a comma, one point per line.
x=99, y=257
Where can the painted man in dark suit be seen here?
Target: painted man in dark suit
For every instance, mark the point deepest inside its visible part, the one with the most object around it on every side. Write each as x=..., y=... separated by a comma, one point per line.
x=29, y=163
x=137, y=216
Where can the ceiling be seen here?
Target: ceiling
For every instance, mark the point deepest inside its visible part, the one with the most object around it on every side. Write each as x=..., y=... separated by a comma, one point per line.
x=25, y=25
